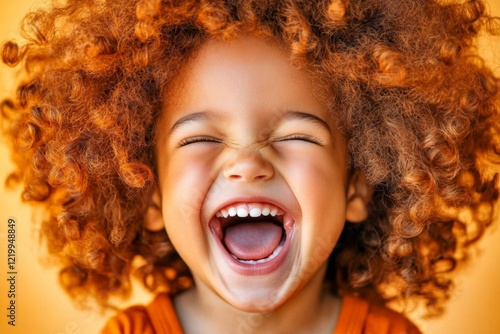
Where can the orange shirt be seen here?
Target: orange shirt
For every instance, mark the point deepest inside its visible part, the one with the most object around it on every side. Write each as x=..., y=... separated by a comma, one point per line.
x=357, y=316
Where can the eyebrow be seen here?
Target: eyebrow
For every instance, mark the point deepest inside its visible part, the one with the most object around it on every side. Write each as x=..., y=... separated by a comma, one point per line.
x=291, y=115
x=201, y=115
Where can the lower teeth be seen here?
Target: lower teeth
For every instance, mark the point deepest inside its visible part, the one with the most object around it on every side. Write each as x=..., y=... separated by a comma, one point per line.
x=269, y=258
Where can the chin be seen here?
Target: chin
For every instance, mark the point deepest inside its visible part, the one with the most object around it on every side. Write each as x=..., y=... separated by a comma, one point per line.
x=256, y=301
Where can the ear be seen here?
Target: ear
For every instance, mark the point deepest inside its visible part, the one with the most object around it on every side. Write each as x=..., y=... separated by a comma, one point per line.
x=154, y=217
x=359, y=195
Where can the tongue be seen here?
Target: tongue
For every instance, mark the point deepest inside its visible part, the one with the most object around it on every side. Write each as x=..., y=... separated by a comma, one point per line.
x=253, y=241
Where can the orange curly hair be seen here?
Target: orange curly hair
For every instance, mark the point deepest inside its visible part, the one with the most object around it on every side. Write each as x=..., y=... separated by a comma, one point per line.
x=416, y=103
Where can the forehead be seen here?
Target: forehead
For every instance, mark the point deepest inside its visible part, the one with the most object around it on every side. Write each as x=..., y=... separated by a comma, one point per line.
x=246, y=65
x=245, y=55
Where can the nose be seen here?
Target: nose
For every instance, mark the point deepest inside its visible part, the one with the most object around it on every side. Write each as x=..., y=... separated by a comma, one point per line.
x=247, y=165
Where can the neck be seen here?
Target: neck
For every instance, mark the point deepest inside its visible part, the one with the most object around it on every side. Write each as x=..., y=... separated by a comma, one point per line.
x=311, y=310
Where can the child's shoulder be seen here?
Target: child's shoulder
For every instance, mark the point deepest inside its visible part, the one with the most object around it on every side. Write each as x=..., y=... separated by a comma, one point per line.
x=356, y=317
x=158, y=317
x=359, y=316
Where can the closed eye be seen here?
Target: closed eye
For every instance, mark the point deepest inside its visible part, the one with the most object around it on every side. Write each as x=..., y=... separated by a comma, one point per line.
x=306, y=138
x=198, y=139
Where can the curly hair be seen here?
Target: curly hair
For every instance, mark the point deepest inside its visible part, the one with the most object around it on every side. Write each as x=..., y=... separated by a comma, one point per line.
x=417, y=105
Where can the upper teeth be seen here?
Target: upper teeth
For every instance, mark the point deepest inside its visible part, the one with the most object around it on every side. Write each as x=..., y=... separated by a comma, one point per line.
x=250, y=209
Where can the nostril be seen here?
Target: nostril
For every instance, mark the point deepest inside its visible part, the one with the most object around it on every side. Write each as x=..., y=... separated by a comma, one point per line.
x=249, y=177
x=234, y=177
x=249, y=171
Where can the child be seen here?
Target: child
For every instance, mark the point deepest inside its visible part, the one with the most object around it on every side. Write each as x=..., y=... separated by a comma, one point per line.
x=282, y=162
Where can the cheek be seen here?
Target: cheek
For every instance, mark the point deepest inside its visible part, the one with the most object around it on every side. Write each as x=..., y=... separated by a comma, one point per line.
x=319, y=186
x=184, y=184
x=185, y=181
x=317, y=183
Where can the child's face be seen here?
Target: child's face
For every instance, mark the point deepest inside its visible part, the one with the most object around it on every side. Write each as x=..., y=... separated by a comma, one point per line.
x=244, y=129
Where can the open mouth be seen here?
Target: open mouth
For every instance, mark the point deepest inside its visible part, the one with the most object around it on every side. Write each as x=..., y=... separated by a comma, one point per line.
x=253, y=234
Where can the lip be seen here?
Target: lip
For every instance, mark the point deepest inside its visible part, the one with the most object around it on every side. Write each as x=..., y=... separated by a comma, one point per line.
x=257, y=268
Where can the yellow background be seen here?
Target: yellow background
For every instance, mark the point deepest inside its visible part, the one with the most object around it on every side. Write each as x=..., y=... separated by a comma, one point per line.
x=42, y=307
